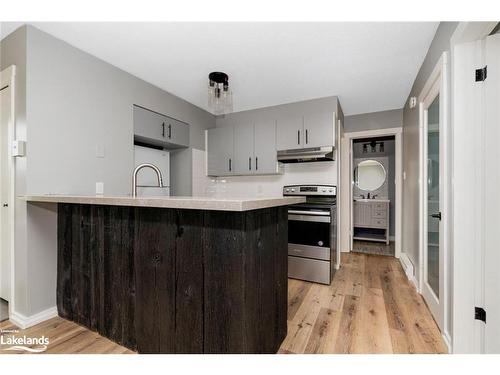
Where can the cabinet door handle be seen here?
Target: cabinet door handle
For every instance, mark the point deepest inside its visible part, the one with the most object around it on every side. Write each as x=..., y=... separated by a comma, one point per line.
x=229, y=164
x=256, y=163
x=163, y=130
x=298, y=137
x=169, y=131
x=307, y=137
x=250, y=164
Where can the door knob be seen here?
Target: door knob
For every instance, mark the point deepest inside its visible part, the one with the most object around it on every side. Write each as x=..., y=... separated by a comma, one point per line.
x=6, y=205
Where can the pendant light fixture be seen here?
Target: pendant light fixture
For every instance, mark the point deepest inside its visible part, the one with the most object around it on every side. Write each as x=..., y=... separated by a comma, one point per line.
x=220, y=98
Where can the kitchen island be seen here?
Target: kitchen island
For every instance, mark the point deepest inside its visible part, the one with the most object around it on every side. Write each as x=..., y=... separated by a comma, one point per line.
x=174, y=274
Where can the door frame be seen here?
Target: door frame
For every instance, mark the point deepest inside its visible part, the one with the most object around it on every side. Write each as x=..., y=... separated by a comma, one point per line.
x=437, y=84
x=7, y=78
x=349, y=137
x=467, y=109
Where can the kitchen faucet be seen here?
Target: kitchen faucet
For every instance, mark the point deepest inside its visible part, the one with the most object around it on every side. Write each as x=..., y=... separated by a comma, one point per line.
x=136, y=171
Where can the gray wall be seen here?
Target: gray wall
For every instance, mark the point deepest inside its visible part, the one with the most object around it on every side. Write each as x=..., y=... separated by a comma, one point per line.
x=77, y=102
x=440, y=43
x=68, y=103
x=375, y=120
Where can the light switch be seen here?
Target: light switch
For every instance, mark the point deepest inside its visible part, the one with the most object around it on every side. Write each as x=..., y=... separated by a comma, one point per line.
x=99, y=188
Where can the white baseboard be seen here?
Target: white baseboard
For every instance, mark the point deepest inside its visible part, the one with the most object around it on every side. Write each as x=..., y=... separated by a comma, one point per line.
x=447, y=341
x=408, y=268
x=24, y=322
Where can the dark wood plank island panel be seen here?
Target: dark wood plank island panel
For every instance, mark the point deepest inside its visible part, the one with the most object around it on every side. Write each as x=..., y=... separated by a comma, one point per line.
x=165, y=280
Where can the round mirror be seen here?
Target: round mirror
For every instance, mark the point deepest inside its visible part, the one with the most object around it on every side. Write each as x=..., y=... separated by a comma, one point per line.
x=369, y=175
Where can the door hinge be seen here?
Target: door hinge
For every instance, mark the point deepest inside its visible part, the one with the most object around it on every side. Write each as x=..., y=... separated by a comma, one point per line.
x=481, y=74
x=480, y=314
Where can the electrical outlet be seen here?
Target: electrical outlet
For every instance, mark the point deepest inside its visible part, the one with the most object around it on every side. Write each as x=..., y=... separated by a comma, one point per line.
x=99, y=188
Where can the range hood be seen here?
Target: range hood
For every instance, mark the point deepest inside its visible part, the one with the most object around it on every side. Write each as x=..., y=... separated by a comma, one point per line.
x=306, y=155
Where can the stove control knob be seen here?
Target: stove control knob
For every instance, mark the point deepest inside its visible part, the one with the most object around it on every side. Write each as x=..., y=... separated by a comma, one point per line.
x=293, y=190
x=287, y=190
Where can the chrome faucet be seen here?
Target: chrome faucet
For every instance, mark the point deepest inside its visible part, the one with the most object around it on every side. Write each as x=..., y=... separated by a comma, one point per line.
x=136, y=171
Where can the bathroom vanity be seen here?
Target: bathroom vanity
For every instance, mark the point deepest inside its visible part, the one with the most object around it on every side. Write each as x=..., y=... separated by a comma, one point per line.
x=371, y=214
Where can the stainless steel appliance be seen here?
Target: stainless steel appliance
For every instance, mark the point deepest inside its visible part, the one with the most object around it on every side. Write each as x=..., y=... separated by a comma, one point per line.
x=313, y=254
x=304, y=155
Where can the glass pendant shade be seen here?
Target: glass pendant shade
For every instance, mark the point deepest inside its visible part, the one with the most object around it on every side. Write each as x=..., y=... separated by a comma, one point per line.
x=220, y=98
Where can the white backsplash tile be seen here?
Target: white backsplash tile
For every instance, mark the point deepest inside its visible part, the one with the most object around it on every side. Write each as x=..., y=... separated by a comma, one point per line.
x=259, y=186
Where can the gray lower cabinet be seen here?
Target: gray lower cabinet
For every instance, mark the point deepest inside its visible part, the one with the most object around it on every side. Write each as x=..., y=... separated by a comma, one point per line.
x=371, y=215
x=220, y=148
x=242, y=149
x=154, y=128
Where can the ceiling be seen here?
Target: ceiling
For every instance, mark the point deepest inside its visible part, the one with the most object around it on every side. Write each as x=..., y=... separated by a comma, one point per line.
x=371, y=66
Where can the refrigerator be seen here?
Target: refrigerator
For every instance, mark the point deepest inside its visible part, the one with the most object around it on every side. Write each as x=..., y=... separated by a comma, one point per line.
x=147, y=181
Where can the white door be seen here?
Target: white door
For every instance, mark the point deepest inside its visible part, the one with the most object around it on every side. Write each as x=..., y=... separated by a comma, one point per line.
x=5, y=118
x=491, y=193
x=433, y=138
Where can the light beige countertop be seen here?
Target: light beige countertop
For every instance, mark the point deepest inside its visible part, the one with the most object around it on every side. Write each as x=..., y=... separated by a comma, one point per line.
x=192, y=203
x=371, y=200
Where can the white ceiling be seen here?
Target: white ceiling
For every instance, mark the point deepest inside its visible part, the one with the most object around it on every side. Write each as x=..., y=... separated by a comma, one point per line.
x=370, y=66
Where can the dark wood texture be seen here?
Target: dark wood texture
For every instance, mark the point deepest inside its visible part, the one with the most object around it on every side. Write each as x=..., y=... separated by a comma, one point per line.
x=175, y=281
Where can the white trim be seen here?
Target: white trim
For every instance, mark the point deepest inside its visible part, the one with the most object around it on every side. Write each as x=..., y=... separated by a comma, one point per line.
x=24, y=322
x=437, y=84
x=447, y=340
x=409, y=269
x=398, y=135
x=8, y=77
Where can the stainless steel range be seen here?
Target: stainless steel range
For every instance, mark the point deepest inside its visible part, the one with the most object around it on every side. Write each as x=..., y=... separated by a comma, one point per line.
x=313, y=254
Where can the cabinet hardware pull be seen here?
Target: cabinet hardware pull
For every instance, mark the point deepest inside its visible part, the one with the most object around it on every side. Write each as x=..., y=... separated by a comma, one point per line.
x=163, y=130
x=169, y=131
x=298, y=137
x=307, y=138
x=229, y=164
x=256, y=163
x=250, y=164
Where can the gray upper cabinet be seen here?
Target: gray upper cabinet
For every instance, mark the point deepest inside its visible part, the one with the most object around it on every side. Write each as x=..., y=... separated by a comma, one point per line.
x=319, y=129
x=244, y=162
x=290, y=133
x=310, y=130
x=220, y=151
x=176, y=132
x=265, y=155
x=157, y=129
x=242, y=149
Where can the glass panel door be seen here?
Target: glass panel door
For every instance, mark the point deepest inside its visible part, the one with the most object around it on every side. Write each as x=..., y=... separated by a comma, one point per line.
x=434, y=218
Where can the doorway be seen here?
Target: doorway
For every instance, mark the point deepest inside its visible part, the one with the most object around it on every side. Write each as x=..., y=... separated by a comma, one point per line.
x=434, y=192
x=6, y=189
x=374, y=195
x=353, y=140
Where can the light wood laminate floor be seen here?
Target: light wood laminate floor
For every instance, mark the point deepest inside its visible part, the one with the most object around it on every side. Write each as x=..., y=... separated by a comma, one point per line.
x=370, y=307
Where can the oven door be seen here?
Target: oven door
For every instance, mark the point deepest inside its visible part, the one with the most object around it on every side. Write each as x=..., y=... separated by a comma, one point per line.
x=309, y=233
